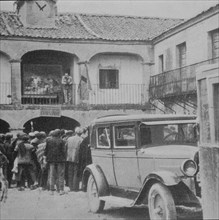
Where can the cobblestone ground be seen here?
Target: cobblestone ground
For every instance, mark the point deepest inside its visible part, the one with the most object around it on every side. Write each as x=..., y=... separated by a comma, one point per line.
x=40, y=205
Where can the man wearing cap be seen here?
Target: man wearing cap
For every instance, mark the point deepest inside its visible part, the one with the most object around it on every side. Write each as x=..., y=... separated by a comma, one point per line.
x=31, y=136
x=43, y=173
x=73, y=145
x=2, y=147
x=68, y=134
x=84, y=153
x=55, y=155
x=25, y=163
x=9, y=154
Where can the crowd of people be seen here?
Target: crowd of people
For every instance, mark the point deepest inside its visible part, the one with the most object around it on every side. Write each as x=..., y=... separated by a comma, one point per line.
x=50, y=162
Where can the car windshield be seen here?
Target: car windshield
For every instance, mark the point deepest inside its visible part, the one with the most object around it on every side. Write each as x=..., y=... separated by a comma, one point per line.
x=168, y=134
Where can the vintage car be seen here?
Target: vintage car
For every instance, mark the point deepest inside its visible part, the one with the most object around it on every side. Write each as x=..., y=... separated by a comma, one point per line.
x=142, y=160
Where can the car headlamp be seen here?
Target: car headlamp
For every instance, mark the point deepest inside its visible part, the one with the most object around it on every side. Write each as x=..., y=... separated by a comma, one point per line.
x=189, y=168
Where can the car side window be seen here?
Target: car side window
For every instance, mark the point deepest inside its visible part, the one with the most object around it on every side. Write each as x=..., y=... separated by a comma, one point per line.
x=103, y=137
x=145, y=135
x=125, y=136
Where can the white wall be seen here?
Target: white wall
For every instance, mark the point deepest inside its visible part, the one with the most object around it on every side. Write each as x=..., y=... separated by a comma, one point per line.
x=5, y=79
x=197, y=43
x=130, y=79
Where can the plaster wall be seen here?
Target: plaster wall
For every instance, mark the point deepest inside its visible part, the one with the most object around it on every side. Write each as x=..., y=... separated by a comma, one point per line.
x=17, y=119
x=197, y=39
x=130, y=78
x=130, y=67
x=5, y=79
x=16, y=48
x=5, y=71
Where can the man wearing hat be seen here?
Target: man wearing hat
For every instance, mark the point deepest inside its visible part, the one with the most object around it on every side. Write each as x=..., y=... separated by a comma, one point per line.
x=55, y=155
x=2, y=147
x=9, y=154
x=25, y=163
x=73, y=145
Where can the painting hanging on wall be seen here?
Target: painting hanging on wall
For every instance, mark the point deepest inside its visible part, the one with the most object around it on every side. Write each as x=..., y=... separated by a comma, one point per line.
x=41, y=79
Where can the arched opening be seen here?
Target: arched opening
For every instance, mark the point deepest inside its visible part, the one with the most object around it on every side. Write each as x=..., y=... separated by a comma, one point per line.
x=4, y=126
x=50, y=123
x=42, y=73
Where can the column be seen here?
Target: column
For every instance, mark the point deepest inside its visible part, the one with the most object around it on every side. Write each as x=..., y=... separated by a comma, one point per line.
x=147, y=71
x=16, y=81
x=15, y=131
x=84, y=82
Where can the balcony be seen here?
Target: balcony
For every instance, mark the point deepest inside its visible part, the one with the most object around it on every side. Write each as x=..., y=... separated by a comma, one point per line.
x=125, y=94
x=176, y=82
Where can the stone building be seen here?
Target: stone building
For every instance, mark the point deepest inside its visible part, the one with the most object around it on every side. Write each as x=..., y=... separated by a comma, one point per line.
x=179, y=53
x=113, y=60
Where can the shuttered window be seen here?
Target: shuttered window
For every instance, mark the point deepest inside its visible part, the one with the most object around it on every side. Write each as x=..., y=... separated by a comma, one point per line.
x=109, y=78
x=216, y=110
x=215, y=43
x=161, y=64
x=182, y=54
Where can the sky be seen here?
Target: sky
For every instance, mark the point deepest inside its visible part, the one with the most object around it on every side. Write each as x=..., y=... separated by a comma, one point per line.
x=153, y=8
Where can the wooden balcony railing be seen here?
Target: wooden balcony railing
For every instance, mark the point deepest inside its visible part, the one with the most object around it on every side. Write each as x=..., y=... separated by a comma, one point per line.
x=177, y=81
x=123, y=94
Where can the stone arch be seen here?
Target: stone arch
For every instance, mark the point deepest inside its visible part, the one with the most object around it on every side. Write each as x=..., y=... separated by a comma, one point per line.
x=50, y=123
x=42, y=71
x=4, y=126
x=128, y=72
x=5, y=54
x=116, y=53
x=23, y=53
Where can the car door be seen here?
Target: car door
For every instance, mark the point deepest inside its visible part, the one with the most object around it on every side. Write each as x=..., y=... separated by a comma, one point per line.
x=125, y=156
x=102, y=152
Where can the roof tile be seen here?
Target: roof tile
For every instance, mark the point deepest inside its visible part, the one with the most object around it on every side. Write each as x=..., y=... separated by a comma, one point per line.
x=88, y=26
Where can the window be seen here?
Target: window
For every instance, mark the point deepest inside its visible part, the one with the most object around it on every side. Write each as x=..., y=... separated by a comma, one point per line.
x=109, y=78
x=182, y=54
x=216, y=110
x=125, y=136
x=103, y=137
x=215, y=43
x=168, y=134
x=161, y=64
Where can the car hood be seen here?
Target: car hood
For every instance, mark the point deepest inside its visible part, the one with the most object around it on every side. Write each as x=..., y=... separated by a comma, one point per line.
x=169, y=151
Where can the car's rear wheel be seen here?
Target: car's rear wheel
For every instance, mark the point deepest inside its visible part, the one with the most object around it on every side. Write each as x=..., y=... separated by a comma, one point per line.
x=95, y=204
x=160, y=203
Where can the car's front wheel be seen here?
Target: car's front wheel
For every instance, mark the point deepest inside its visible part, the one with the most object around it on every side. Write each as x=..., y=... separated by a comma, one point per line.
x=160, y=203
x=95, y=204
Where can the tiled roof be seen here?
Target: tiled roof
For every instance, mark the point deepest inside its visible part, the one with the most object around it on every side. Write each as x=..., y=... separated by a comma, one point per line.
x=127, y=27
x=67, y=27
x=88, y=26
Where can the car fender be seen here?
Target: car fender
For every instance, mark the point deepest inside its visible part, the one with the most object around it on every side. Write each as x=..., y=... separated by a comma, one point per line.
x=99, y=178
x=166, y=177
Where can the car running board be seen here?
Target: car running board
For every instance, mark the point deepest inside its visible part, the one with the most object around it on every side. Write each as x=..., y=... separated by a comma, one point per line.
x=118, y=201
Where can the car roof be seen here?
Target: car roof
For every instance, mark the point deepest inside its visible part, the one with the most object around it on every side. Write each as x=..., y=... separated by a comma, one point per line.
x=141, y=118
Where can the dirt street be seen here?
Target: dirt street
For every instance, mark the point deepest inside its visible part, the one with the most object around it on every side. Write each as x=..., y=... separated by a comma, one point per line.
x=37, y=204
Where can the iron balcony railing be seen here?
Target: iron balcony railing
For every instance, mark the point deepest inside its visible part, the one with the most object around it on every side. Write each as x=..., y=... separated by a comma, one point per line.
x=177, y=81
x=5, y=93
x=91, y=95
